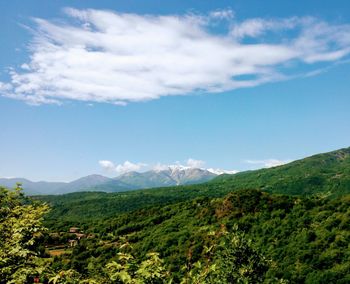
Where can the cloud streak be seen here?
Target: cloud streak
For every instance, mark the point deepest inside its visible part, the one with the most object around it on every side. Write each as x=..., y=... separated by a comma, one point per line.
x=110, y=57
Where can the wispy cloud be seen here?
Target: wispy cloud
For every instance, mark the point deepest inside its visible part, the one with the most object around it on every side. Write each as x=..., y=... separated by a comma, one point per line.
x=257, y=27
x=222, y=14
x=111, y=57
x=268, y=163
x=193, y=163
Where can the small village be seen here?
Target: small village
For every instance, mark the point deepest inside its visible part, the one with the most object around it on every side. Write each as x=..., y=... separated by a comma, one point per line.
x=62, y=242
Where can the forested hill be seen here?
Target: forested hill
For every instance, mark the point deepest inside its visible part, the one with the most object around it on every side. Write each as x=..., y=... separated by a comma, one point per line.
x=304, y=240
x=326, y=174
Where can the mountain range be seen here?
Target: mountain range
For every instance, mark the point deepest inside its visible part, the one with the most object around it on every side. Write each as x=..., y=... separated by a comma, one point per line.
x=170, y=176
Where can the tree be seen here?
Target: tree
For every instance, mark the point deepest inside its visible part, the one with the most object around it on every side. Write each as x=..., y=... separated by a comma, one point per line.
x=20, y=229
x=128, y=270
x=236, y=261
x=228, y=258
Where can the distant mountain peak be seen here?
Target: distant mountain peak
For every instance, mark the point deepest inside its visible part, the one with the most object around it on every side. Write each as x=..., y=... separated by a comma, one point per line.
x=93, y=177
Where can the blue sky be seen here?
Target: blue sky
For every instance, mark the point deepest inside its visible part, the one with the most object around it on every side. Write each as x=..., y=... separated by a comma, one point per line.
x=236, y=85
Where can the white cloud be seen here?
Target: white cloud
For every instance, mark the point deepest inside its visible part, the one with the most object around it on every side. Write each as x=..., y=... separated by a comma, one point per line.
x=268, y=163
x=192, y=163
x=121, y=168
x=4, y=87
x=107, y=165
x=222, y=14
x=104, y=56
x=257, y=26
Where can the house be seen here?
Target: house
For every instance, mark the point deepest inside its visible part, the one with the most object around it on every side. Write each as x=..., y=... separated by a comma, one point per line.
x=72, y=243
x=80, y=236
x=74, y=230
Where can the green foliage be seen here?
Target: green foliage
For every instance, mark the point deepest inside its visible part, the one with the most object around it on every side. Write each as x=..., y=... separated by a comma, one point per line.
x=237, y=261
x=127, y=269
x=20, y=230
x=67, y=277
x=229, y=258
x=303, y=237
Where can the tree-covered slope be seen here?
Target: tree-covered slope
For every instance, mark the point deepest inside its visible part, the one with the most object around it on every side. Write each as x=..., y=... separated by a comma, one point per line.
x=305, y=239
x=327, y=173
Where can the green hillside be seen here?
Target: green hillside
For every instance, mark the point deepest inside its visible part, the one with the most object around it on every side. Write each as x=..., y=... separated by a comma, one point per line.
x=327, y=173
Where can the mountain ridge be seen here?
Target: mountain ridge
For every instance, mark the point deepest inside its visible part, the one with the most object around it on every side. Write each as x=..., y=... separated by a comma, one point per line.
x=128, y=181
x=324, y=173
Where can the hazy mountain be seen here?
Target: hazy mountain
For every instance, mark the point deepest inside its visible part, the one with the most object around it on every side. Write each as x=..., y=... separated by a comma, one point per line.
x=170, y=176
x=84, y=183
x=173, y=175
x=31, y=187
x=112, y=185
x=145, y=180
x=44, y=187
